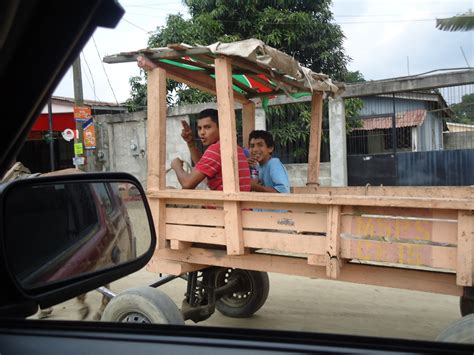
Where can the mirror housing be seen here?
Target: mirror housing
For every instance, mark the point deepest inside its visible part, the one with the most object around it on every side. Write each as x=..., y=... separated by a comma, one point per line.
x=65, y=235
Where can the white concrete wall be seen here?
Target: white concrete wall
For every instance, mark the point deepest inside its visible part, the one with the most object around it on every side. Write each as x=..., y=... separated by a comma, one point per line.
x=298, y=174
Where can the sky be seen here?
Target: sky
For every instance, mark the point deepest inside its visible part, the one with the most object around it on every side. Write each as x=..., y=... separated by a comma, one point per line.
x=384, y=38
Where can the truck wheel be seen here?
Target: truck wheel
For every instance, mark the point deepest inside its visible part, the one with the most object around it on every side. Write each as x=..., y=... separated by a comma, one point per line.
x=142, y=305
x=460, y=331
x=466, y=301
x=466, y=305
x=250, y=297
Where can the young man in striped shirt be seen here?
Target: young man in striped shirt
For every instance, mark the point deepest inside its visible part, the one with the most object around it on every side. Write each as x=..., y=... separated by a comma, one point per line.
x=208, y=164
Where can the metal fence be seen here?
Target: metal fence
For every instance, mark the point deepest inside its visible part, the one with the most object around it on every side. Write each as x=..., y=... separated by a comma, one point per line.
x=419, y=138
x=416, y=121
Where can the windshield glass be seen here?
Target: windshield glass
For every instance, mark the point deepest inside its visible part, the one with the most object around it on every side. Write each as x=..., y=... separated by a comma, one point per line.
x=331, y=146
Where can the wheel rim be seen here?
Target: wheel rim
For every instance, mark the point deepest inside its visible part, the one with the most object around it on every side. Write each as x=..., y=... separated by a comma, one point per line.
x=135, y=318
x=243, y=296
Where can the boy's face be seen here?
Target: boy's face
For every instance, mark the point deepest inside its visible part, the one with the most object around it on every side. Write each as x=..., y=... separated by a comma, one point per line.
x=208, y=131
x=259, y=150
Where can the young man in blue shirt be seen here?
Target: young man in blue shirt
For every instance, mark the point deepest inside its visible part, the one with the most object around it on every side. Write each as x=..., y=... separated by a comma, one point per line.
x=272, y=175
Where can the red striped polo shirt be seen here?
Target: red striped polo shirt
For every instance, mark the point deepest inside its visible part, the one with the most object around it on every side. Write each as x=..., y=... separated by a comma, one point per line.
x=210, y=165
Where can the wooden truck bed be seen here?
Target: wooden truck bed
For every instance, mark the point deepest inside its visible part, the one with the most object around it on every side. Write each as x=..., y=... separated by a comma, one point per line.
x=405, y=237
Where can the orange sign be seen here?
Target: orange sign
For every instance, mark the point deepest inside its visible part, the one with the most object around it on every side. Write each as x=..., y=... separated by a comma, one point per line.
x=89, y=134
x=82, y=112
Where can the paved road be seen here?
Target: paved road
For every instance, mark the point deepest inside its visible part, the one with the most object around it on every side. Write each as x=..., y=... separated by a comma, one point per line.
x=302, y=304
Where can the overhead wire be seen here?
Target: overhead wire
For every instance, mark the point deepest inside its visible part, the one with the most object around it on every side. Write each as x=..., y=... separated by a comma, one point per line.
x=92, y=85
x=131, y=23
x=105, y=72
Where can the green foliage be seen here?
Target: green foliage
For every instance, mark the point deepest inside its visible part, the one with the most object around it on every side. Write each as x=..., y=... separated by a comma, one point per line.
x=290, y=124
x=464, y=111
x=137, y=100
x=464, y=22
x=301, y=28
x=353, y=77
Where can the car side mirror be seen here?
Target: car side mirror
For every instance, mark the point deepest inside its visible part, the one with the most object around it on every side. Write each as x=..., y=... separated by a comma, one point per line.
x=63, y=229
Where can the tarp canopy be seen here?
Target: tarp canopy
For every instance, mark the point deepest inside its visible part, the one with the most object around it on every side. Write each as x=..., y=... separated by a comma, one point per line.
x=258, y=70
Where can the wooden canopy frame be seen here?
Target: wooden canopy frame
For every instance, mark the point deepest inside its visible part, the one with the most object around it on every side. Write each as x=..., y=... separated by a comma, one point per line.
x=419, y=238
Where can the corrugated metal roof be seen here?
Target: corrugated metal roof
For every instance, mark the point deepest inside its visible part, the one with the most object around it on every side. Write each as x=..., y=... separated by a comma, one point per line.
x=403, y=119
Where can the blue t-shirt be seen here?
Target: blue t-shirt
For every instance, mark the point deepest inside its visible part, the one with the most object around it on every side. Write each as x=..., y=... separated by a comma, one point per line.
x=273, y=174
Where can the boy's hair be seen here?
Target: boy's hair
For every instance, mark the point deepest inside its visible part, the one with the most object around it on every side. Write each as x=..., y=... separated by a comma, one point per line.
x=209, y=112
x=265, y=135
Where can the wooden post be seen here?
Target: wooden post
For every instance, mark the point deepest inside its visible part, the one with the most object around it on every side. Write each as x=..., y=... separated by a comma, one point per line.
x=248, y=122
x=156, y=150
x=315, y=138
x=465, y=249
x=333, y=242
x=228, y=140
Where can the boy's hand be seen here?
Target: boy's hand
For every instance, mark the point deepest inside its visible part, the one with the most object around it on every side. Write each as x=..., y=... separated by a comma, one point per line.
x=187, y=133
x=176, y=164
x=253, y=183
x=252, y=161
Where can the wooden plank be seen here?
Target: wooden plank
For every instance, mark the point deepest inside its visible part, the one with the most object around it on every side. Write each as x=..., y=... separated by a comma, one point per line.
x=259, y=262
x=400, y=253
x=179, y=245
x=158, y=212
x=290, y=243
x=193, y=234
x=196, y=204
x=291, y=207
x=465, y=256
x=227, y=125
x=390, y=191
x=156, y=128
x=324, y=199
x=196, y=79
x=333, y=242
x=171, y=267
x=195, y=216
x=315, y=138
x=317, y=260
x=248, y=122
x=430, y=226
x=416, y=280
x=233, y=228
x=290, y=221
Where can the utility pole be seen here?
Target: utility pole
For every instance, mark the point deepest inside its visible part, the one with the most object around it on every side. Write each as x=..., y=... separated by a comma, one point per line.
x=79, y=101
x=78, y=98
x=50, y=132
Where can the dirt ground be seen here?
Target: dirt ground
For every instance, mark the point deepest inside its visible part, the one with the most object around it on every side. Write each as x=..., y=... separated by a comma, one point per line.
x=303, y=304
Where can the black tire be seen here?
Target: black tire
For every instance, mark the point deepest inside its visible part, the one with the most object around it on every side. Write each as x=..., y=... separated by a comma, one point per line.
x=142, y=305
x=248, y=300
x=466, y=301
x=466, y=305
x=460, y=331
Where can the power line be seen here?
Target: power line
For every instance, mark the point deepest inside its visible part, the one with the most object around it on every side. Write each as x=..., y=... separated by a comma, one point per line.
x=131, y=23
x=92, y=77
x=105, y=72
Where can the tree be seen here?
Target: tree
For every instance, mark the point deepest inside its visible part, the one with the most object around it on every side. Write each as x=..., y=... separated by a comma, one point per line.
x=464, y=22
x=301, y=28
x=464, y=111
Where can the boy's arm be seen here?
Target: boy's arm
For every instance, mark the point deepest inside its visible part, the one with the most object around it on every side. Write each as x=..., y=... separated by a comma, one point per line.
x=255, y=186
x=279, y=176
x=195, y=152
x=187, y=181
